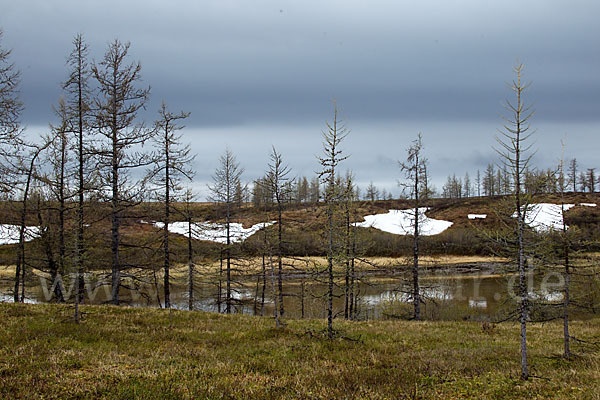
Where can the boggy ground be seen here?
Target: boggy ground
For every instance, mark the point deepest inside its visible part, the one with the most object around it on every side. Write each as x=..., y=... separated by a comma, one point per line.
x=123, y=353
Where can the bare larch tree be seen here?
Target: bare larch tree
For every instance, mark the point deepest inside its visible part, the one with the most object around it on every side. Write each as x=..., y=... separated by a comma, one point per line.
x=414, y=169
x=276, y=180
x=78, y=96
x=516, y=156
x=11, y=108
x=116, y=111
x=225, y=180
x=331, y=158
x=172, y=165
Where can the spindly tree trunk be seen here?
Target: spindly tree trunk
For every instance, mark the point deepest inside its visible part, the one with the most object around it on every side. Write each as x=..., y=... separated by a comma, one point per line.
x=332, y=137
x=225, y=180
x=512, y=152
x=117, y=106
x=171, y=165
x=415, y=269
x=415, y=169
x=77, y=88
x=21, y=259
x=190, y=264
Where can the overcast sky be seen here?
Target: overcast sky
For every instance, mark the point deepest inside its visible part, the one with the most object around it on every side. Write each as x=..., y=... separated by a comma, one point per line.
x=260, y=73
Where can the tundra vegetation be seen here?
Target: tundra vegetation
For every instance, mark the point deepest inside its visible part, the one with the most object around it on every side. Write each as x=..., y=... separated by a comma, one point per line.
x=101, y=201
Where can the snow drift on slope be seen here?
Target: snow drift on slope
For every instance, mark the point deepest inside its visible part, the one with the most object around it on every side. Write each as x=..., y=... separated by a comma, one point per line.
x=399, y=222
x=9, y=234
x=215, y=232
x=546, y=216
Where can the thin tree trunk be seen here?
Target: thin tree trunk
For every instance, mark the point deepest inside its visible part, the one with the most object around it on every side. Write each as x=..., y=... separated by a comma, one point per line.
x=167, y=261
x=190, y=266
x=115, y=212
x=351, y=297
x=416, y=291
x=156, y=288
x=524, y=306
x=347, y=270
x=275, y=297
x=279, y=256
x=56, y=281
x=264, y=286
x=255, y=300
x=220, y=284
x=21, y=250
x=228, y=255
x=567, y=299
x=61, y=215
x=330, y=271
x=79, y=281
x=302, y=288
x=567, y=293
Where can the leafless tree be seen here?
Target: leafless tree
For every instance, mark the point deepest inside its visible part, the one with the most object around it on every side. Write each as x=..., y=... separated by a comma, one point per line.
x=515, y=153
x=372, y=193
x=116, y=111
x=330, y=160
x=348, y=206
x=225, y=180
x=414, y=169
x=78, y=102
x=171, y=166
x=591, y=179
x=566, y=245
x=188, y=197
x=10, y=112
x=276, y=181
x=25, y=167
x=56, y=180
x=573, y=174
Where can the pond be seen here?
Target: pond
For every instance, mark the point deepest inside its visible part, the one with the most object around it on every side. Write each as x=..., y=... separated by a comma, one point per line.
x=447, y=295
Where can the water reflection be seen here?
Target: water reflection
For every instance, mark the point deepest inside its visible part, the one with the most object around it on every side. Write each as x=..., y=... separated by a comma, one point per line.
x=464, y=296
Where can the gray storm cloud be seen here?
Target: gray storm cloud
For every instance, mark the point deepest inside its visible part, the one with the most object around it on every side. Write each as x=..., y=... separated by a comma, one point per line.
x=264, y=72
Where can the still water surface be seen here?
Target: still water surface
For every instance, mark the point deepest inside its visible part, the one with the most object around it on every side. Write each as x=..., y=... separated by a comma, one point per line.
x=451, y=296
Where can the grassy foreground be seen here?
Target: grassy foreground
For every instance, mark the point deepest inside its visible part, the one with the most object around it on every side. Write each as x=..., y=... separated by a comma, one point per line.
x=123, y=353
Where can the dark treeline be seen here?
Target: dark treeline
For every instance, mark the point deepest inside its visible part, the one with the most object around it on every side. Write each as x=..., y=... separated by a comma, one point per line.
x=497, y=181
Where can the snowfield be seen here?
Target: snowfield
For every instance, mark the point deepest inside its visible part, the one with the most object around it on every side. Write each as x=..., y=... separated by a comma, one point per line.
x=213, y=232
x=546, y=216
x=399, y=222
x=9, y=234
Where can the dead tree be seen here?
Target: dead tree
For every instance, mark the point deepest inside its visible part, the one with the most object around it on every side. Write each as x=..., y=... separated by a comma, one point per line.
x=414, y=169
x=11, y=107
x=25, y=167
x=187, y=214
x=171, y=166
x=515, y=155
x=116, y=111
x=349, y=197
x=78, y=100
x=225, y=180
x=276, y=180
x=56, y=180
x=332, y=137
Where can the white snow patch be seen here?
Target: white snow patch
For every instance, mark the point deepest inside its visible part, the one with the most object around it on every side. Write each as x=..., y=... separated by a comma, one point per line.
x=588, y=204
x=400, y=222
x=214, y=232
x=9, y=234
x=477, y=216
x=545, y=216
x=8, y=298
